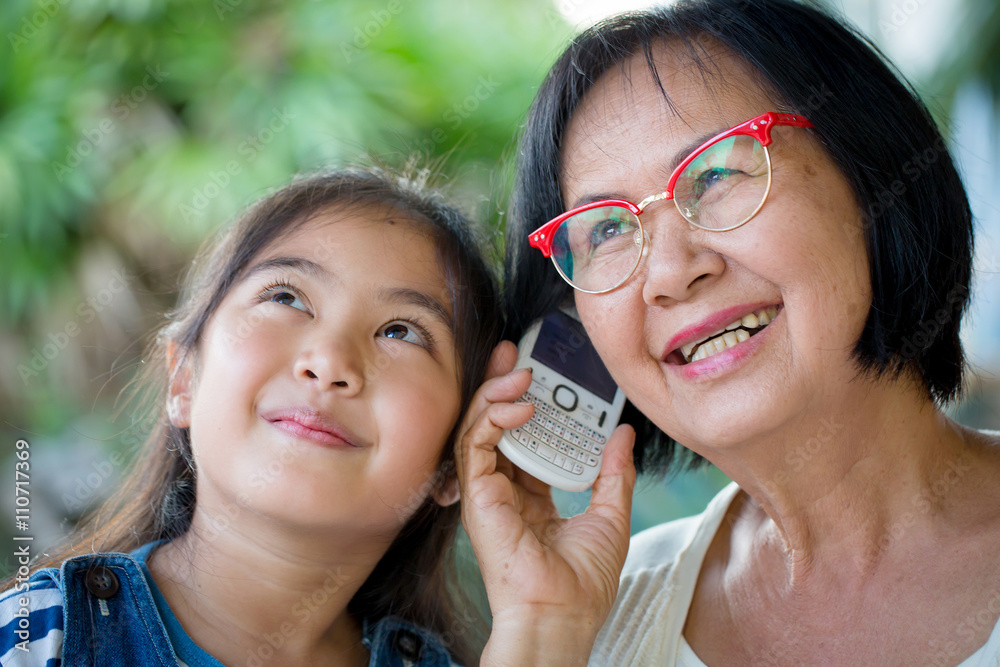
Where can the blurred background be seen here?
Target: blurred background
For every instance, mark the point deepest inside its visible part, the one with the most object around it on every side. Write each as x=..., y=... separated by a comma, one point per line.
x=130, y=130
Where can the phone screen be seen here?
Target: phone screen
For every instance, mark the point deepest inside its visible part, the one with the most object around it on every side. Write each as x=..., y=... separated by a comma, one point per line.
x=563, y=346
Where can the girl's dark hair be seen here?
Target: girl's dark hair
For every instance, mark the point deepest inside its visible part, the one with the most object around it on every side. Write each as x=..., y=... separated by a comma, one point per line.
x=415, y=578
x=917, y=224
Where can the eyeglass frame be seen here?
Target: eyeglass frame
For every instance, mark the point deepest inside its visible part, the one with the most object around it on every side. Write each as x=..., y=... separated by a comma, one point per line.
x=759, y=128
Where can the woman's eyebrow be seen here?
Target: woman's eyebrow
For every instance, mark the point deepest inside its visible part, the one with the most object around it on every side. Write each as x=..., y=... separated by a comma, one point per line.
x=412, y=297
x=665, y=171
x=599, y=196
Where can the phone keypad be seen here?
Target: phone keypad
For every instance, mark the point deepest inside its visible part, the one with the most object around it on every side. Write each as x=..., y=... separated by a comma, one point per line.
x=558, y=438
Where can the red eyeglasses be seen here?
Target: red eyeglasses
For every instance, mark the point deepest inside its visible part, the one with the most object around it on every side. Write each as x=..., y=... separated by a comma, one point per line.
x=718, y=187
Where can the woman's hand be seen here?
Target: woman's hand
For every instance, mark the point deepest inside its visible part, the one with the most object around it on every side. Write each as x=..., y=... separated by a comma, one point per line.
x=550, y=581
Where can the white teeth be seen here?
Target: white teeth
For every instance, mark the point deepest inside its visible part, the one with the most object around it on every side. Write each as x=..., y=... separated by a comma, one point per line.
x=733, y=334
x=765, y=316
x=723, y=342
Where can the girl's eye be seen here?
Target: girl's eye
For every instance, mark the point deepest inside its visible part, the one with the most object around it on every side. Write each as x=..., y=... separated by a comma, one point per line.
x=411, y=332
x=286, y=298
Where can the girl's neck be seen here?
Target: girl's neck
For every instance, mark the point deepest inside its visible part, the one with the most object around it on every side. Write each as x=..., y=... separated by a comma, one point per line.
x=240, y=591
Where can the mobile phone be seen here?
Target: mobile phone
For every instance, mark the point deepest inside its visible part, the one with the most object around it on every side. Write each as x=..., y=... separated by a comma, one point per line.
x=577, y=405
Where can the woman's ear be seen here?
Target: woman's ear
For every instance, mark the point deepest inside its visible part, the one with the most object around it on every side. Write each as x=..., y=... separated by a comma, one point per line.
x=178, y=389
x=447, y=492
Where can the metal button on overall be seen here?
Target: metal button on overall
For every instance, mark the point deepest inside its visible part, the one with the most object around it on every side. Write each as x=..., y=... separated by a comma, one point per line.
x=102, y=582
x=409, y=645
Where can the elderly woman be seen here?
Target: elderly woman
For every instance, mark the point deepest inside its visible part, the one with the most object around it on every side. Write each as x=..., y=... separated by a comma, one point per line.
x=767, y=242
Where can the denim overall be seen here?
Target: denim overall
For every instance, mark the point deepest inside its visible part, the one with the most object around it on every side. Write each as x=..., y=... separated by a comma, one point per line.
x=110, y=618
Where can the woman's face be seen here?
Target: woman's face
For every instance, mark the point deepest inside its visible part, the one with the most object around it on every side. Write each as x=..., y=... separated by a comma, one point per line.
x=801, y=255
x=326, y=383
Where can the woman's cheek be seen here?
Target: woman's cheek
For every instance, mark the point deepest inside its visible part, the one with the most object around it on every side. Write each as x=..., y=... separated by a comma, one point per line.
x=616, y=333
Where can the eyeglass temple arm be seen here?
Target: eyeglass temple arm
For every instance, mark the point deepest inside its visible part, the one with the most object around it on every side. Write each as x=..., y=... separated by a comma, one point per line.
x=761, y=125
x=538, y=239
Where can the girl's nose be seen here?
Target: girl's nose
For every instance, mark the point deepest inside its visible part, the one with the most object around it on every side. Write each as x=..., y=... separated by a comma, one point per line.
x=331, y=366
x=677, y=260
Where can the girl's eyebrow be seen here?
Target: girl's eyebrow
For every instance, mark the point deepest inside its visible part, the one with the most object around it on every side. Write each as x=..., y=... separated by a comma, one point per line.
x=412, y=297
x=402, y=295
x=302, y=264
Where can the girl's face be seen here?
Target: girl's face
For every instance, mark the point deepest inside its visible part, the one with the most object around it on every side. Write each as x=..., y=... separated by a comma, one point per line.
x=801, y=255
x=326, y=383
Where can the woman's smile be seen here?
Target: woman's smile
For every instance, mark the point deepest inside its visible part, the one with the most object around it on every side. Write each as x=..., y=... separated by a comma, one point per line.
x=725, y=349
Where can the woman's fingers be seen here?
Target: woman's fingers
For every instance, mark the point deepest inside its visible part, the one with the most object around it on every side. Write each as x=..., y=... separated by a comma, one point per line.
x=479, y=442
x=502, y=359
x=489, y=415
x=502, y=386
x=501, y=389
x=491, y=503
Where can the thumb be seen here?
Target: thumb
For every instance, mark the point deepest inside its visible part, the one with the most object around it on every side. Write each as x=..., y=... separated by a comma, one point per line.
x=612, y=492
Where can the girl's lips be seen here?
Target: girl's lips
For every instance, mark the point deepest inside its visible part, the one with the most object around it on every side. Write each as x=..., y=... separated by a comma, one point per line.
x=312, y=425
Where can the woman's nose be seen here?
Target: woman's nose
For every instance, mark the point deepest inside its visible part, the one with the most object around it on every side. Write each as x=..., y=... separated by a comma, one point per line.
x=677, y=261
x=331, y=365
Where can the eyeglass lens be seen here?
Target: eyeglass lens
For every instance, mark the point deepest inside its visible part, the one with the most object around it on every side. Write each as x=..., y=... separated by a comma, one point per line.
x=720, y=189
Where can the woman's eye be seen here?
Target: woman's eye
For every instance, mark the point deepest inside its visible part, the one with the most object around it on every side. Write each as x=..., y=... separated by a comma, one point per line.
x=605, y=231
x=404, y=332
x=711, y=177
x=286, y=298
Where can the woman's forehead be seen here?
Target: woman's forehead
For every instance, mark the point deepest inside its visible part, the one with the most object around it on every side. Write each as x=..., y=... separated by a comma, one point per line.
x=626, y=122
x=717, y=88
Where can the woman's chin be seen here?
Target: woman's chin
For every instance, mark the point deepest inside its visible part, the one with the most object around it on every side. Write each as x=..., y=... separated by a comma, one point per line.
x=709, y=431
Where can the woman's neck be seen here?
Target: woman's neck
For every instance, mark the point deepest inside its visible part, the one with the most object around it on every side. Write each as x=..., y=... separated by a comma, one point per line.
x=844, y=489
x=243, y=591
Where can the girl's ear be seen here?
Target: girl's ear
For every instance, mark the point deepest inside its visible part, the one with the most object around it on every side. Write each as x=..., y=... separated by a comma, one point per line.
x=178, y=389
x=447, y=493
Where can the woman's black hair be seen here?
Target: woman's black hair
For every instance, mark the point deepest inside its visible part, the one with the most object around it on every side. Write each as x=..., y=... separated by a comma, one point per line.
x=917, y=223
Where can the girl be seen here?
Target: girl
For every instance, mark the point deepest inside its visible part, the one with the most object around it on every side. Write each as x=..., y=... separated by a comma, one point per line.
x=297, y=501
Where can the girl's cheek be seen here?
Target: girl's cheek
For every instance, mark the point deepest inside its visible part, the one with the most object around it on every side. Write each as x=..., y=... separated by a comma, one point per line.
x=419, y=401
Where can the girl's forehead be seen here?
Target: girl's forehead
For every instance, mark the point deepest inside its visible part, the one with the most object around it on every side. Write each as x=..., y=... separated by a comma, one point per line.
x=372, y=244
x=346, y=230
